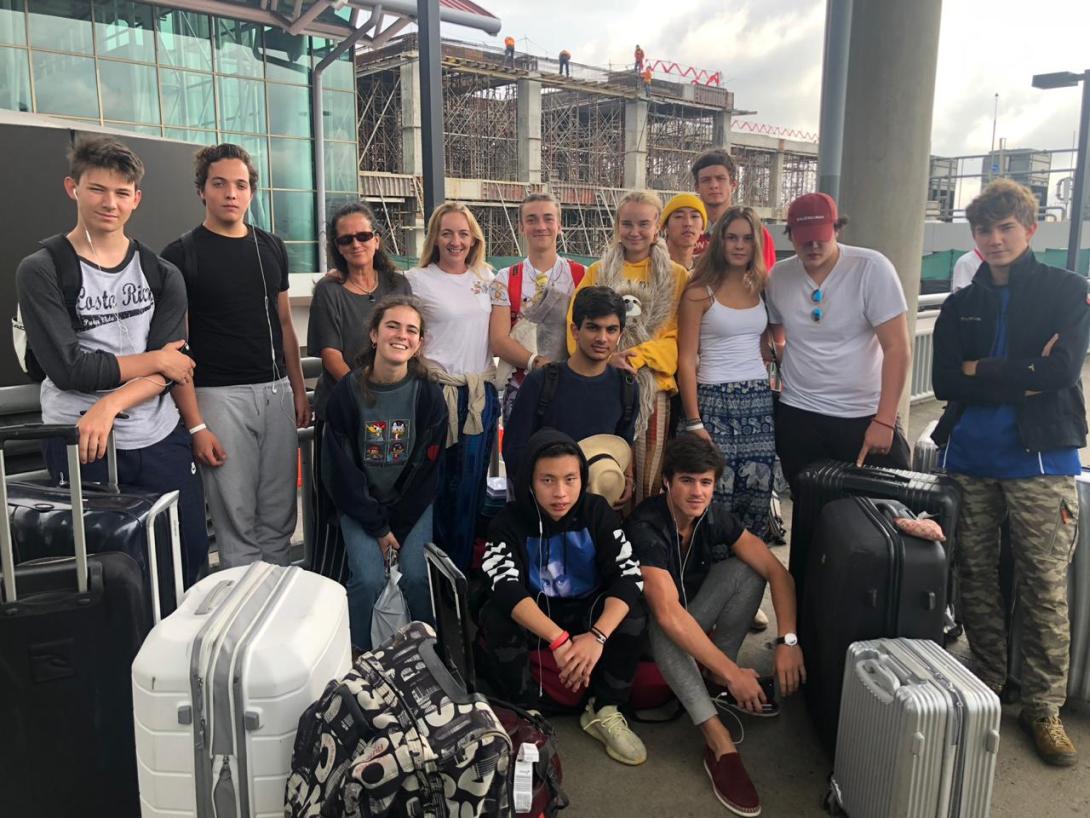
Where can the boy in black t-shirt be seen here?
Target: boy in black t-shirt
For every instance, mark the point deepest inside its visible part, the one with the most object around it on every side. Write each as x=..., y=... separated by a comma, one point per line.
x=589, y=397
x=249, y=396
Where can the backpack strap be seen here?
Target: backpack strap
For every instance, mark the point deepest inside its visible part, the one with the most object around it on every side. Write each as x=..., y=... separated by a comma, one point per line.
x=628, y=403
x=69, y=273
x=577, y=272
x=189, y=255
x=152, y=268
x=514, y=290
x=551, y=374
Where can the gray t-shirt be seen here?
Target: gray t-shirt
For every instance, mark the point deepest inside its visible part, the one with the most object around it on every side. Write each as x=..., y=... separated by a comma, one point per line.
x=118, y=316
x=339, y=319
x=388, y=434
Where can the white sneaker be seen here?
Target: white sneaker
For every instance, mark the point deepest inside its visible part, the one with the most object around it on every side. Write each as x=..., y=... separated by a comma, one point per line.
x=610, y=727
x=760, y=622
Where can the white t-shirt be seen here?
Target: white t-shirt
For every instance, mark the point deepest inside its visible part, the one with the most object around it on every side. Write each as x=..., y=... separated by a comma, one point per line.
x=456, y=310
x=115, y=309
x=834, y=366
x=964, y=270
x=558, y=278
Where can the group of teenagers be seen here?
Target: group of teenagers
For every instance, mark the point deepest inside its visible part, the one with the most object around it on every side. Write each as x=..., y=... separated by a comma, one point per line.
x=640, y=430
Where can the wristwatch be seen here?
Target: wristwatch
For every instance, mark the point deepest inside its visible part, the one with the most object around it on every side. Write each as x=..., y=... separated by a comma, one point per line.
x=788, y=639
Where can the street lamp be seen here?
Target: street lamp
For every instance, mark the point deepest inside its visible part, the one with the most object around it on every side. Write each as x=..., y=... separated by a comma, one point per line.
x=1067, y=79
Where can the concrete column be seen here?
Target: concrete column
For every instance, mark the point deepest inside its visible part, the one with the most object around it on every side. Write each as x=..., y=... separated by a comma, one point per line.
x=721, y=129
x=834, y=82
x=775, y=181
x=529, y=130
x=635, y=144
x=412, y=151
x=887, y=136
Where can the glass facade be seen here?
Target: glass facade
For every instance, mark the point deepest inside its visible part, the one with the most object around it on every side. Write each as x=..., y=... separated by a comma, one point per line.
x=193, y=77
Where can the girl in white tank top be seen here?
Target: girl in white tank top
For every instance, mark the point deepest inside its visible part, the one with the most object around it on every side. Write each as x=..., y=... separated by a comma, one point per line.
x=722, y=376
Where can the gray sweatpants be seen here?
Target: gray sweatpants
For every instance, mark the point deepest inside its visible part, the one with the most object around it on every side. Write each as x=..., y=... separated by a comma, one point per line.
x=727, y=601
x=251, y=497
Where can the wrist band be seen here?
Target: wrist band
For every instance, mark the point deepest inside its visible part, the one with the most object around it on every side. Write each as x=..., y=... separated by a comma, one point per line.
x=693, y=426
x=200, y=427
x=558, y=643
x=882, y=423
x=530, y=362
x=601, y=637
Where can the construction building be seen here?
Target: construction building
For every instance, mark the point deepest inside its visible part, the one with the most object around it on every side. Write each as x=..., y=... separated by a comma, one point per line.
x=586, y=139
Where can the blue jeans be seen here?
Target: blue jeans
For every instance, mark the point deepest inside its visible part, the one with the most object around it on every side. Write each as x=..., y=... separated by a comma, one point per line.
x=367, y=574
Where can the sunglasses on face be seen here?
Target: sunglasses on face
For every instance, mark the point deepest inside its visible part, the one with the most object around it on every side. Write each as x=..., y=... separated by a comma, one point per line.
x=348, y=238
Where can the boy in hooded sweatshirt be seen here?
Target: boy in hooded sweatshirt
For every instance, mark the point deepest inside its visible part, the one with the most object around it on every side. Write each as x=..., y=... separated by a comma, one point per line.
x=563, y=577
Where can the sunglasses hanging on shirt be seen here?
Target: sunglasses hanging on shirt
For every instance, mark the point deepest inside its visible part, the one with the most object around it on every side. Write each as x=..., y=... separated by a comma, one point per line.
x=817, y=313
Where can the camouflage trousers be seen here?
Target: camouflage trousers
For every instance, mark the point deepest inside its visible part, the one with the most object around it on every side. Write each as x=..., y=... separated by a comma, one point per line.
x=1043, y=516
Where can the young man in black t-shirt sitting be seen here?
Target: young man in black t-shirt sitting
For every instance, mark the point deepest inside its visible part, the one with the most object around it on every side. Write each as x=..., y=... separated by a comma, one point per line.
x=584, y=395
x=249, y=396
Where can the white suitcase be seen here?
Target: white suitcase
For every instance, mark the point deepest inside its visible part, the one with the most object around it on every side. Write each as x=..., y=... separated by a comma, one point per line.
x=925, y=454
x=220, y=684
x=918, y=736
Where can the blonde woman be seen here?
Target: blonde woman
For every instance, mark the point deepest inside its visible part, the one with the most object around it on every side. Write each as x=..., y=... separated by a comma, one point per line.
x=452, y=283
x=722, y=376
x=637, y=266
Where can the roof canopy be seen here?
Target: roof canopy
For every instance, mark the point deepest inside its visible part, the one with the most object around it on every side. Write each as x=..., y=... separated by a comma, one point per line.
x=337, y=19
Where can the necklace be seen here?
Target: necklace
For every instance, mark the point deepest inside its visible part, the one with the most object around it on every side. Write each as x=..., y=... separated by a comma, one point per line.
x=359, y=289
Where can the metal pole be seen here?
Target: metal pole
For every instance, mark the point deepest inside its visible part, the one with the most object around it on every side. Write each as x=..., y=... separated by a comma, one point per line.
x=995, y=120
x=431, y=104
x=1079, y=191
x=834, y=90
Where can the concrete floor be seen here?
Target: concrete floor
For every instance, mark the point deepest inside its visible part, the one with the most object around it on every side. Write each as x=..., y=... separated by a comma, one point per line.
x=784, y=758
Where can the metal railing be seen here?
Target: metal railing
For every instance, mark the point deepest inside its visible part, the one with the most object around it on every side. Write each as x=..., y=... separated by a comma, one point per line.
x=923, y=348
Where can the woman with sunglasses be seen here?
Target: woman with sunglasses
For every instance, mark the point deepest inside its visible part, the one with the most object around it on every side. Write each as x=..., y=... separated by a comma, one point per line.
x=340, y=311
x=385, y=428
x=723, y=379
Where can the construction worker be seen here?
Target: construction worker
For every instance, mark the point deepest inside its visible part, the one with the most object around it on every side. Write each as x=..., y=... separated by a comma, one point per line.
x=639, y=59
x=565, y=63
x=646, y=77
x=508, y=51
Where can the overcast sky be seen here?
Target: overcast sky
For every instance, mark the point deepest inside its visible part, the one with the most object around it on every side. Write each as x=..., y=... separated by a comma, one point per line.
x=769, y=52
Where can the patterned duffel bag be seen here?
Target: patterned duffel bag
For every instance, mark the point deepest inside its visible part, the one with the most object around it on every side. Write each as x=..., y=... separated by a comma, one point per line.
x=398, y=736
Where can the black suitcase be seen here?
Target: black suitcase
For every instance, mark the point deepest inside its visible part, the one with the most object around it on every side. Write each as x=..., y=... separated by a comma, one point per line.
x=865, y=580
x=818, y=484
x=69, y=631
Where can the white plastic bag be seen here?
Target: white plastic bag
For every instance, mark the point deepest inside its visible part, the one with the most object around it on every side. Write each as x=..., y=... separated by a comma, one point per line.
x=391, y=612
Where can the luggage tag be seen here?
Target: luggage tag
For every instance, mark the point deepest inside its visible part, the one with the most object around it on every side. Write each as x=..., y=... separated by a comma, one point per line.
x=524, y=777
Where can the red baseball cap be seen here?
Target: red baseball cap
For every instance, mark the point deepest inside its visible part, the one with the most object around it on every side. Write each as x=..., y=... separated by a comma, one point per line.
x=811, y=218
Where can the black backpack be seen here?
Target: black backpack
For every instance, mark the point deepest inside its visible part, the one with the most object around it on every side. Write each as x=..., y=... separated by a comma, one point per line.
x=70, y=279
x=551, y=373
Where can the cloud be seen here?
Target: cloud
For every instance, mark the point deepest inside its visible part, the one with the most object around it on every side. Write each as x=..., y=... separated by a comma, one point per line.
x=770, y=54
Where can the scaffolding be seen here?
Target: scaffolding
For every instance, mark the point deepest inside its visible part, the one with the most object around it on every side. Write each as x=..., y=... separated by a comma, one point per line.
x=675, y=135
x=754, y=168
x=379, y=121
x=582, y=138
x=480, y=117
x=799, y=176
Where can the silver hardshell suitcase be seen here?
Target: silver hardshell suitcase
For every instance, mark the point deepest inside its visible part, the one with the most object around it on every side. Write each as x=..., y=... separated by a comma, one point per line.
x=925, y=454
x=918, y=737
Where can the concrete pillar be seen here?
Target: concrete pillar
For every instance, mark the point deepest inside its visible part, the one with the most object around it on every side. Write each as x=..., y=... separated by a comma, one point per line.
x=775, y=181
x=529, y=130
x=887, y=136
x=412, y=150
x=635, y=144
x=834, y=83
x=721, y=129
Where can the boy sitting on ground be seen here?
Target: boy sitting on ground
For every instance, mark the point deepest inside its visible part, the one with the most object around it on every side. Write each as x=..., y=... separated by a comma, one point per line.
x=563, y=578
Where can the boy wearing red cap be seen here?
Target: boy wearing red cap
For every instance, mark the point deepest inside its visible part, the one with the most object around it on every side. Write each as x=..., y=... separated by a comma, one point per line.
x=843, y=313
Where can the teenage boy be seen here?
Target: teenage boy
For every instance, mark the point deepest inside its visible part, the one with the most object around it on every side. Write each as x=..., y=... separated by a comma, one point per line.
x=528, y=326
x=843, y=313
x=249, y=395
x=563, y=578
x=105, y=321
x=1009, y=350
x=715, y=178
x=684, y=222
x=704, y=573
x=584, y=395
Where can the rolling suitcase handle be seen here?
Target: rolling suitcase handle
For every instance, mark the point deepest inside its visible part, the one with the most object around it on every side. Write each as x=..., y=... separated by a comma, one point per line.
x=70, y=436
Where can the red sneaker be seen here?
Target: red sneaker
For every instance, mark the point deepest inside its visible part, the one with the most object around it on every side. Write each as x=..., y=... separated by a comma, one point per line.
x=731, y=784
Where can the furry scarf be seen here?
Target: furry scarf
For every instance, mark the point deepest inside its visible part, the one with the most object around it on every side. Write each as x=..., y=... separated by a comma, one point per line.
x=649, y=307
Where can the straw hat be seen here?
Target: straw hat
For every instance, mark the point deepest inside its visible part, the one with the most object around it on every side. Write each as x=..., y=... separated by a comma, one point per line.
x=608, y=457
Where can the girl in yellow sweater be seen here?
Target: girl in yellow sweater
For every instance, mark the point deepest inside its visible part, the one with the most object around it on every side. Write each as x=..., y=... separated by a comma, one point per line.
x=637, y=266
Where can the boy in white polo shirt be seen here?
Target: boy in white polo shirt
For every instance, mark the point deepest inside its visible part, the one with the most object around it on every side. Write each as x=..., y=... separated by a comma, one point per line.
x=843, y=313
